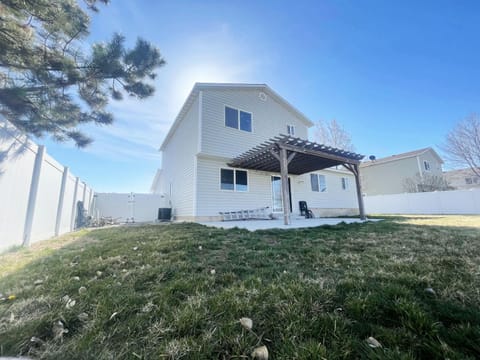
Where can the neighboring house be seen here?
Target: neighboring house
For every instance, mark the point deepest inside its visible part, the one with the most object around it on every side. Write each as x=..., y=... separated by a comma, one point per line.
x=220, y=122
x=390, y=175
x=462, y=179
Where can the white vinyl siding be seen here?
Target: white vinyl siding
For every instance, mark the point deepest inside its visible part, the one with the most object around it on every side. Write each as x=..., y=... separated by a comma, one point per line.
x=390, y=177
x=268, y=120
x=211, y=199
x=178, y=164
x=334, y=198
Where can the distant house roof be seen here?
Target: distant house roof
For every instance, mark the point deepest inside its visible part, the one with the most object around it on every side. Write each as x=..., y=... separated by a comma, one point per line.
x=465, y=172
x=205, y=86
x=405, y=155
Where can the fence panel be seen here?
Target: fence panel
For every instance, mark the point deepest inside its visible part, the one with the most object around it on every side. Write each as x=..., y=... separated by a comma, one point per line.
x=438, y=202
x=128, y=207
x=34, y=204
x=48, y=195
x=17, y=158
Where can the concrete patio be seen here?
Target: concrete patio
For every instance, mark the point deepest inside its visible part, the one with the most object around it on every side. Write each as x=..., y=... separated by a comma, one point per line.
x=297, y=223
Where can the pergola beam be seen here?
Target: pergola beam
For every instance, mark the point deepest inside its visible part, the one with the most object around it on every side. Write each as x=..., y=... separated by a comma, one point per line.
x=318, y=153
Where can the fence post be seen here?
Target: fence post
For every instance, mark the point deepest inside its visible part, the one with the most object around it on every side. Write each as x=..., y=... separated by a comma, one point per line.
x=90, y=203
x=84, y=196
x=32, y=197
x=74, y=205
x=61, y=200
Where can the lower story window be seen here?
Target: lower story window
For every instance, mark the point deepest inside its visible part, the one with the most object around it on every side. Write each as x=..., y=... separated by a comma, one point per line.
x=236, y=180
x=318, y=182
x=345, y=183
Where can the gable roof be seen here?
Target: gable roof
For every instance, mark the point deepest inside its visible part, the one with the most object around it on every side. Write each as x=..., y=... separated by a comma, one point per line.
x=205, y=86
x=462, y=172
x=401, y=156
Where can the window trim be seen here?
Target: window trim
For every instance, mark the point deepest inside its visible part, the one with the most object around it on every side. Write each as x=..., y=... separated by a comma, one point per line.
x=318, y=182
x=238, y=109
x=426, y=165
x=290, y=126
x=234, y=180
x=346, y=182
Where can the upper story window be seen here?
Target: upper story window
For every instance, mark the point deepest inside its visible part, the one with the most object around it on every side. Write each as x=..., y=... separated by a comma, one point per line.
x=233, y=180
x=345, y=183
x=291, y=130
x=426, y=165
x=318, y=182
x=238, y=119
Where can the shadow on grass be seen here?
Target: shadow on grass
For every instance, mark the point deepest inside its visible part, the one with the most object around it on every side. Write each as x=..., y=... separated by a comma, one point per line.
x=177, y=291
x=14, y=258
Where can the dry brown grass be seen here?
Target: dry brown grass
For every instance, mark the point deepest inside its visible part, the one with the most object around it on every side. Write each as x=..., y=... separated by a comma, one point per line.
x=443, y=220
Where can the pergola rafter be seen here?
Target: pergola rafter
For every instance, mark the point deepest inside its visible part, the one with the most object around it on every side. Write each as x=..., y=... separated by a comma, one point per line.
x=292, y=155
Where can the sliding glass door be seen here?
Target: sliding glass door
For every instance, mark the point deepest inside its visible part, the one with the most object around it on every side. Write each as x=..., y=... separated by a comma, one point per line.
x=277, y=198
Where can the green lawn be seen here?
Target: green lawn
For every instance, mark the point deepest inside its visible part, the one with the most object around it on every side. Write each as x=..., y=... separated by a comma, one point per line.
x=178, y=292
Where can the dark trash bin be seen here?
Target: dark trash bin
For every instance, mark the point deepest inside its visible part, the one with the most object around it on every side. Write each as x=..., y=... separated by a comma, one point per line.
x=164, y=214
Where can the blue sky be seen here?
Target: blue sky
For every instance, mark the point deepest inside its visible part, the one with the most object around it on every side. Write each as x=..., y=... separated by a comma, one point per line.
x=397, y=75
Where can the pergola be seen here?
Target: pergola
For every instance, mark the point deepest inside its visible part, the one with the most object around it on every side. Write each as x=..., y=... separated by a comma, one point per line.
x=289, y=155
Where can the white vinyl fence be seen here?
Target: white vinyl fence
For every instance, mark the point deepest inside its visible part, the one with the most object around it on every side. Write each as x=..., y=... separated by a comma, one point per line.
x=129, y=207
x=438, y=202
x=38, y=196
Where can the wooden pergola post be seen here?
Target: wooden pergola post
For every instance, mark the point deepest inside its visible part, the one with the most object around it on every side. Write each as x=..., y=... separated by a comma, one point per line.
x=361, y=206
x=284, y=160
x=285, y=193
x=355, y=170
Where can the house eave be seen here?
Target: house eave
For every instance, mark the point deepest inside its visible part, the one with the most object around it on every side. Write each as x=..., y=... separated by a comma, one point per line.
x=155, y=181
x=185, y=107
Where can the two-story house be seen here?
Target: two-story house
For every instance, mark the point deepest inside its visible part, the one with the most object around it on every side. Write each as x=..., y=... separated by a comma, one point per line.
x=398, y=173
x=221, y=155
